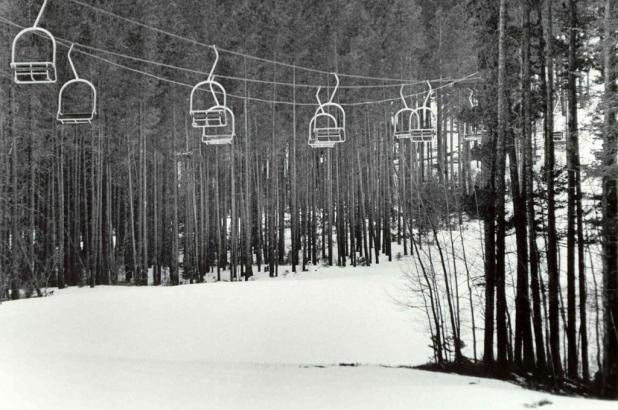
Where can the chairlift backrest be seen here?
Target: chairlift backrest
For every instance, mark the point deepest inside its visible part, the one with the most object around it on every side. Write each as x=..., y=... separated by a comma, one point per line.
x=334, y=111
x=215, y=88
x=329, y=119
x=426, y=118
x=81, y=115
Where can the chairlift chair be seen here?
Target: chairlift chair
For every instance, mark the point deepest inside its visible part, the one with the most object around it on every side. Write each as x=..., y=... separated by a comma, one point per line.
x=324, y=131
x=220, y=128
x=327, y=126
x=425, y=130
x=33, y=71
x=86, y=111
x=559, y=135
x=473, y=133
x=403, y=119
x=217, y=121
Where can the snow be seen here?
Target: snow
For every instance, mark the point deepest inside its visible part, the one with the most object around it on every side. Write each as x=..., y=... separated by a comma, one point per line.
x=268, y=343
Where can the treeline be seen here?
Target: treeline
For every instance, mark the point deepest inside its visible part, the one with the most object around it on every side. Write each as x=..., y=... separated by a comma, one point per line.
x=530, y=53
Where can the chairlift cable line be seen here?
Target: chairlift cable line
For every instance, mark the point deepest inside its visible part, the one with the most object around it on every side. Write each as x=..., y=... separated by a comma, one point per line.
x=234, y=78
x=228, y=77
x=268, y=101
x=80, y=116
x=241, y=79
x=66, y=43
x=236, y=53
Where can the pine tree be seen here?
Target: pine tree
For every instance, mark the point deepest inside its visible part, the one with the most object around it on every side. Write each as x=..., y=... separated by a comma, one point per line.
x=610, y=208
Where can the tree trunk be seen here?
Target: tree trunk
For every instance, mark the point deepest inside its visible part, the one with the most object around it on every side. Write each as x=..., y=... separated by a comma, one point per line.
x=501, y=305
x=572, y=166
x=537, y=320
x=523, y=330
x=552, y=246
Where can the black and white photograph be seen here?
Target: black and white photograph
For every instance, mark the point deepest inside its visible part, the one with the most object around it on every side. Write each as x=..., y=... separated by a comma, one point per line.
x=308, y=204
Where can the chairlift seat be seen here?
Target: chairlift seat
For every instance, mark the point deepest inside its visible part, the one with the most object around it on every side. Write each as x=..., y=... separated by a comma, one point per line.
x=322, y=144
x=326, y=137
x=75, y=118
x=34, y=72
x=422, y=134
x=403, y=135
x=217, y=138
x=473, y=137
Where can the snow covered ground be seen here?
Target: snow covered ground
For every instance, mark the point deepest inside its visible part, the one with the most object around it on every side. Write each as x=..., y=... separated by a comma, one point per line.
x=269, y=343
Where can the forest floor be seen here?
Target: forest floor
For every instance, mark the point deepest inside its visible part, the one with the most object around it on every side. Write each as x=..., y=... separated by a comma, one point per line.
x=330, y=338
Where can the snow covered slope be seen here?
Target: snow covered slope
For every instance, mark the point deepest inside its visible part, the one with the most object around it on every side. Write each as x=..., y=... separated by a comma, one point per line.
x=235, y=345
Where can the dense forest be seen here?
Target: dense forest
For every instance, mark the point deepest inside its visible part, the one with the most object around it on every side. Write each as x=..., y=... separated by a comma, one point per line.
x=136, y=198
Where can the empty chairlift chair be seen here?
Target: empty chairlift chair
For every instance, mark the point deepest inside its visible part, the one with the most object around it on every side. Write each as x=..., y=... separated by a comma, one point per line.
x=472, y=132
x=216, y=120
x=31, y=67
x=425, y=128
x=324, y=129
x=327, y=126
x=404, y=120
x=560, y=120
x=77, y=99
